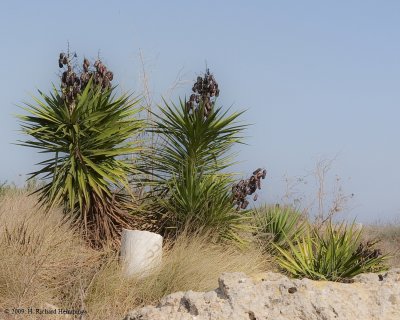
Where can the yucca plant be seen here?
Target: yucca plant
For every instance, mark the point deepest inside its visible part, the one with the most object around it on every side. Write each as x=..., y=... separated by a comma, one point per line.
x=276, y=225
x=195, y=139
x=336, y=254
x=87, y=130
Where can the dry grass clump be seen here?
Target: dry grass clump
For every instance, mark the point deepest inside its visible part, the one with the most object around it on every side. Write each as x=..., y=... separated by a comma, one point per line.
x=41, y=258
x=43, y=262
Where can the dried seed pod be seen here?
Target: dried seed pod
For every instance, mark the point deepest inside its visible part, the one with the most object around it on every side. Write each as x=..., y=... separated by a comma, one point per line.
x=64, y=77
x=105, y=83
x=86, y=65
x=109, y=75
x=102, y=70
x=247, y=187
x=264, y=174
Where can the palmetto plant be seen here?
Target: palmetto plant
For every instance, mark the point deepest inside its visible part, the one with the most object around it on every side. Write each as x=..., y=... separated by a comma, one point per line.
x=188, y=163
x=86, y=140
x=335, y=254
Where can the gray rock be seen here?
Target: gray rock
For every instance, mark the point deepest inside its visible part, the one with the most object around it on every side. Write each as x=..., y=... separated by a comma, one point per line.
x=277, y=297
x=371, y=278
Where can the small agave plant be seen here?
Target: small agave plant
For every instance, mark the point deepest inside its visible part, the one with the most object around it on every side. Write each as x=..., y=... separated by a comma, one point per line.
x=335, y=254
x=86, y=130
x=277, y=226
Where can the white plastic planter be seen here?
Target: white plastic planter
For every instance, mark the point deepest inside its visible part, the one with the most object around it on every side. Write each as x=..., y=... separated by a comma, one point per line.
x=141, y=252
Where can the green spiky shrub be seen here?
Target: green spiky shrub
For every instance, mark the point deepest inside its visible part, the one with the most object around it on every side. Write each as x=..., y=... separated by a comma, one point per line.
x=86, y=142
x=276, y=225
x=193, y=192
x=335, y=254
x=203, y=202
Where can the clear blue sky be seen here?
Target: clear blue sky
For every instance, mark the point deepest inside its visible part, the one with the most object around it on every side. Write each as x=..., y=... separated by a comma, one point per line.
x=318, y=78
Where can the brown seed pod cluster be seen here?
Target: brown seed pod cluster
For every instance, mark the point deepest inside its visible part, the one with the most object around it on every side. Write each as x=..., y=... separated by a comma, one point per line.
x=247, y=187
x=204, y=90
x=102, y=76
x=366, y=251
x=62, y=60
x=72, y=84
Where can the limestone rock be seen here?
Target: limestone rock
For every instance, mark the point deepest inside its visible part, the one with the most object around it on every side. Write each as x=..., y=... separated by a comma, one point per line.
x=277, y=297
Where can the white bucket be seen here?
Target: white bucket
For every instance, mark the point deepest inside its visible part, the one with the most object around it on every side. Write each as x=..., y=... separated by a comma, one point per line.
x=141, y=252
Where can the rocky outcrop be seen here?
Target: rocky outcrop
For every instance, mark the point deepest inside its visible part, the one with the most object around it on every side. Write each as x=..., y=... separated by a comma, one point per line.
x=276, y=297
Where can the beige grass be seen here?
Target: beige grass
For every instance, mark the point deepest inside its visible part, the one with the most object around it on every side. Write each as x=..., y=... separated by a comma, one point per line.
x=43, y=261
x=389, y=236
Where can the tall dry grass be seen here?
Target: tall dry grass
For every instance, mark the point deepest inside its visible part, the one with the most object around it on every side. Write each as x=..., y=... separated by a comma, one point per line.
x=43, y=262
